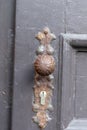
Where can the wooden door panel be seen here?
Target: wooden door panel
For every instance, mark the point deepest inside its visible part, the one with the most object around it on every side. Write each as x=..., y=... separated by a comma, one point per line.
x=31, y=17
x=74, y=82
x=7, y=19
x=81, y=85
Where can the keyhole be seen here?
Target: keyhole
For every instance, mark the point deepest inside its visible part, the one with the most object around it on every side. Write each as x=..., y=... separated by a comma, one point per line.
x=42, y=97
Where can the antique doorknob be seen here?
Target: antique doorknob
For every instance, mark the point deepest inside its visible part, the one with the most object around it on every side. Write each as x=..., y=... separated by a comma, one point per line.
x=44, y=66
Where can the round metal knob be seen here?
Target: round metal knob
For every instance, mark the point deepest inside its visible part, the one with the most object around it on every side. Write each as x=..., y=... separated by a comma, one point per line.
x=44, y=64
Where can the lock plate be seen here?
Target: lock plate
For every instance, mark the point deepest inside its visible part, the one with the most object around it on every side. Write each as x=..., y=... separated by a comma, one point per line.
x=44, y=66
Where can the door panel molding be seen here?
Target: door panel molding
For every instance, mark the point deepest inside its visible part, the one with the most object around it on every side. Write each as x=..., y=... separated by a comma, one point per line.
x=73, y=55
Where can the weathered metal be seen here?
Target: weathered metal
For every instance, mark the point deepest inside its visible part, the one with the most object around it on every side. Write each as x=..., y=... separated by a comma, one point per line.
x=44, y=66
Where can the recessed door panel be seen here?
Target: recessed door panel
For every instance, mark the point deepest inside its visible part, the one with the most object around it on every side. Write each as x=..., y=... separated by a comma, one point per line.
x=74, y=82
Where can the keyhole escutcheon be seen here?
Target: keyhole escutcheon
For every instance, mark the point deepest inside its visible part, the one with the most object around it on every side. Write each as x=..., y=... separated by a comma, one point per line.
x=43, y=95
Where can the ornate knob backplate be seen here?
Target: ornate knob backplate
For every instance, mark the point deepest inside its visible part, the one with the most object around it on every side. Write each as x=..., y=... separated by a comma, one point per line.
x=44, y=67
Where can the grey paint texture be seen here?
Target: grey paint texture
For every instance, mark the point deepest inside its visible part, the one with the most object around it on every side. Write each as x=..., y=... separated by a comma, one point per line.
x=74, y=82
x=76, y=16
x=31, y=17
x=61, y=16
x=6, y=61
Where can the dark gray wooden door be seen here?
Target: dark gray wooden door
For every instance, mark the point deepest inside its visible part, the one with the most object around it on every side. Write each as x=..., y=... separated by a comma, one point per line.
x=7, y=24
x=20, y=20
x=31, y=17
x=73, y=81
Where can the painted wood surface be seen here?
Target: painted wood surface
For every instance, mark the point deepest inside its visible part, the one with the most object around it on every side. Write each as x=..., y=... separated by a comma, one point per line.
x=61, y=16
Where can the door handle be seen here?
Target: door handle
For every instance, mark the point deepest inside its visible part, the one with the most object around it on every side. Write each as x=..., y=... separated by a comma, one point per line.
x=44, y=66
